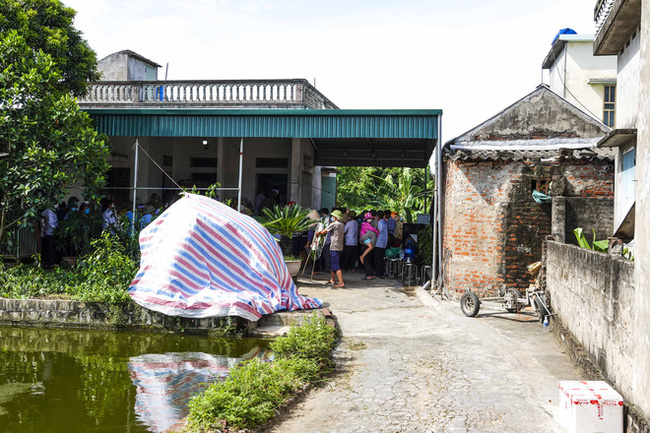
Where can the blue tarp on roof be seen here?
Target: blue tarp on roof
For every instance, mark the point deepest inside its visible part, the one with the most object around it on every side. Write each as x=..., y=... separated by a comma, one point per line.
x=566, y=31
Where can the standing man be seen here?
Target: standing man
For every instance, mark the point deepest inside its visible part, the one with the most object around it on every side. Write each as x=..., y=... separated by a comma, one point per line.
x=325, y=255
x=388, y=216
x=109, y=216
x=48, y=224
x=351, y=242
x=336, y=231
x=382, y=242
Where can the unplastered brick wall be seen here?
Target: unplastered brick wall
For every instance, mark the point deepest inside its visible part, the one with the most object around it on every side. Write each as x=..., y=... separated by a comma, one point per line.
x=473, y=232
x=493, y=229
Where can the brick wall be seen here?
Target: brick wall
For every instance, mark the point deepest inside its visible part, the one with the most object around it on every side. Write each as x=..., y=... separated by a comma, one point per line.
x=492, y=227
x=589, y=213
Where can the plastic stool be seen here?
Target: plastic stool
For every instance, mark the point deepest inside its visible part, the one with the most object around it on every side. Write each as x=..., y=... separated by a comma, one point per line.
x=409, y=273
x=387, y=266
x=425, y=274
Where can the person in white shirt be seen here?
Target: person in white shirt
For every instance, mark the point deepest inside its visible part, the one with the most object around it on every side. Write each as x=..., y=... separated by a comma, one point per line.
x=49, y=223
x=109, y=217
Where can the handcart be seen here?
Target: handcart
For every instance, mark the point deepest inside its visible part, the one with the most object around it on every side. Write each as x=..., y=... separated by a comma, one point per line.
x=509, y=300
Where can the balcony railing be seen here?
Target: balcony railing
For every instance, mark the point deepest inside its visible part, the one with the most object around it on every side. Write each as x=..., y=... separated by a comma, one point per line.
x=224, y=94
x=601, y=12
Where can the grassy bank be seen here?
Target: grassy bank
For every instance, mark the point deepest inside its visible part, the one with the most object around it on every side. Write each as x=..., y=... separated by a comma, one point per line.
x=103, y=275
x=255, y=390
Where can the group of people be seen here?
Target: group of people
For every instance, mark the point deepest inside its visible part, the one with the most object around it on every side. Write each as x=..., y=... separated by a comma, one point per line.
x=350, y=240
x=89, y=219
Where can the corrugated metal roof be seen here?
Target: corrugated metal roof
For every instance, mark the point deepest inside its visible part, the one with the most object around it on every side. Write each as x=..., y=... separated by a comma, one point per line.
x=409, y=124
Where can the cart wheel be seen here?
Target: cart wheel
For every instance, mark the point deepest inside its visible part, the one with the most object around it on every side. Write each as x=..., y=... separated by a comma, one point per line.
x=470, y=304
x=542, y=312
x=511, y=296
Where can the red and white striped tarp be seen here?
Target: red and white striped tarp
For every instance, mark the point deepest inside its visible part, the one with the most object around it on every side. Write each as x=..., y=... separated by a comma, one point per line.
x=201, y=258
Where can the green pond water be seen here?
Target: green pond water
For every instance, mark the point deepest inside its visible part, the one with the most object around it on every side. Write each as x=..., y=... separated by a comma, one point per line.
x=54, y=380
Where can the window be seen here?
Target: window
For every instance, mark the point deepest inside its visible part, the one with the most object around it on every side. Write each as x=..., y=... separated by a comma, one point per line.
x=203, y=162
x=609, y=106
x=207, y=178
x=271, y=162
x=540, y=185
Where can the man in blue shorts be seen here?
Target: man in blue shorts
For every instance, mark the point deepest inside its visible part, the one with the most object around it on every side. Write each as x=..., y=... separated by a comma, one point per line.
x=336, y=229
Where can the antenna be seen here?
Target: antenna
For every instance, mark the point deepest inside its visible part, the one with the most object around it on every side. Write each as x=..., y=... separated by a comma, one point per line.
x=166, y=70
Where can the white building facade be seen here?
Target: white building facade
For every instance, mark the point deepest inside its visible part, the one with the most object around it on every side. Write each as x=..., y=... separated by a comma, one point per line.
x=589, y=82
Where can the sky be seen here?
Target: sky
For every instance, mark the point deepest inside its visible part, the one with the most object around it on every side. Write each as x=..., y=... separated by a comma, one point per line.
x=470, y=58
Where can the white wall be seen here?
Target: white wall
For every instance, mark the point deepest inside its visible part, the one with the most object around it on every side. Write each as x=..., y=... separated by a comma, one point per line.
x=624, y=185
x=627, y=89
x=300, y=170
x=575, y=66
x=253, y=148
x=556, y=75
x=583, y=66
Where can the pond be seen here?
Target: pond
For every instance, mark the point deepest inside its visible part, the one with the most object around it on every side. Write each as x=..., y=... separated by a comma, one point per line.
x=54, y=380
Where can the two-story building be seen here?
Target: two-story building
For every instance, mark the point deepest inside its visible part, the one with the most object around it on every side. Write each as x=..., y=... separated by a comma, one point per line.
x=589, y=82
x=603, y=301
x=280, y=137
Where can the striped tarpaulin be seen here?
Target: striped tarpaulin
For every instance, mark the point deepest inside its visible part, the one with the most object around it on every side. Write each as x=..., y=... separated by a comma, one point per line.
x=201, y=258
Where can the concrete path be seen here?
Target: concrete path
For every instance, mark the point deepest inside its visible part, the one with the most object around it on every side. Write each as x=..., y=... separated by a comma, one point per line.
x=411, y=363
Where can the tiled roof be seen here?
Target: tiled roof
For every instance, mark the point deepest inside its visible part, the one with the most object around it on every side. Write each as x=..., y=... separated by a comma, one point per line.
x=530, y=155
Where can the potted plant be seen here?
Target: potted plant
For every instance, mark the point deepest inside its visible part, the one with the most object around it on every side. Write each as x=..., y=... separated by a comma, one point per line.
x=288, y=221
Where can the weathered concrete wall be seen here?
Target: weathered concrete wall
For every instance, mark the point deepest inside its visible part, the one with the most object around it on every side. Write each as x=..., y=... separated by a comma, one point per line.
x=75, y=314
x=593, y=296
x=642, y=229
x=569, y=213
x=492, y=227
x=113, y=67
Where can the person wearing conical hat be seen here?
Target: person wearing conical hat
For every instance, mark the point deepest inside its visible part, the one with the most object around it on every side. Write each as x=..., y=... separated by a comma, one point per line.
x=336, y=229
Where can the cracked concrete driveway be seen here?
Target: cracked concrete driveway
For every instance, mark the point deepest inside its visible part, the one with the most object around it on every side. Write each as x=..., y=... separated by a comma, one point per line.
x=411, y=363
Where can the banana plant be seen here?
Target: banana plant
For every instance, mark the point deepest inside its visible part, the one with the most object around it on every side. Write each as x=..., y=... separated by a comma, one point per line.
x=600, y=246
x=402, y=195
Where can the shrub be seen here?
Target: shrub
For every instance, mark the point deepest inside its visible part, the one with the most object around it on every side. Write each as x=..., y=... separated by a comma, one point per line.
x=106, y=272
x=254, y=390
x=313, y=340
x=103, y=275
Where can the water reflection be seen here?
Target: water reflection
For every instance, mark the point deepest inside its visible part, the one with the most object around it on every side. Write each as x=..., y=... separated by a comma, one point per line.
x=166, y=382
x=62, y=380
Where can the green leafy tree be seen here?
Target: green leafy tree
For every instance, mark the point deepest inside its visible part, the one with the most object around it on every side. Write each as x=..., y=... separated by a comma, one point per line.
x=402, y=195
x=46, y=141
x=403, y=190
x=47, y=25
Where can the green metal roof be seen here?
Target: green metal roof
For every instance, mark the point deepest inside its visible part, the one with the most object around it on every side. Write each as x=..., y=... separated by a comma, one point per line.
x=388, y=138
x=275, y=123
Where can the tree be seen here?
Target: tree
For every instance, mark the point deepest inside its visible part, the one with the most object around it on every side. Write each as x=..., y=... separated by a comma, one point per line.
x=403, y=190
x=47, y=141
x=46, y=25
